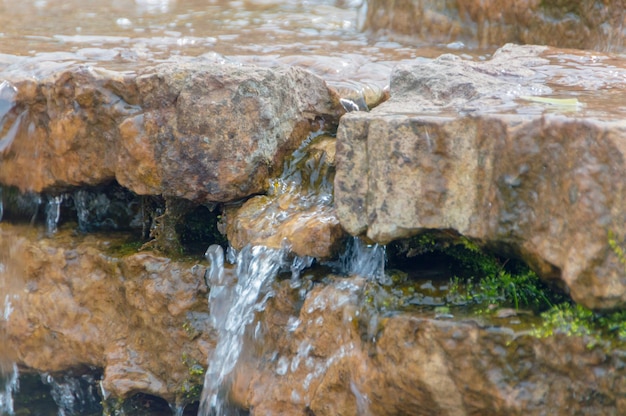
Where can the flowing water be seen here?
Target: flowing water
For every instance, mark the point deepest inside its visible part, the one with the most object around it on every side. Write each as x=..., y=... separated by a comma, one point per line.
x=124, y=35
x=233, y=303
x=9, y=374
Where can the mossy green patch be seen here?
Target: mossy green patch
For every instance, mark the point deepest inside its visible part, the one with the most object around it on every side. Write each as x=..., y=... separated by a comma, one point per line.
x=191, y=388
x=601, y=329
x=617, y=248
x=477, y=276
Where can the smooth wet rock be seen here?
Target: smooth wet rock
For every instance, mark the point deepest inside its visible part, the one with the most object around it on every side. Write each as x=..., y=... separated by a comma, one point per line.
x=337, y=360
x=586, y=24
x=141, y=318
x=298, y=210
x=202, y=131
x=524, y=153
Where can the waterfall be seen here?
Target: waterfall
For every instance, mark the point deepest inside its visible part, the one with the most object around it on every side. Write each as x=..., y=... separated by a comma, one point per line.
x=53, y=213
x=9, y=375
x=9, y=384
x=74, y=395
x=366, y=260
x=233, y=301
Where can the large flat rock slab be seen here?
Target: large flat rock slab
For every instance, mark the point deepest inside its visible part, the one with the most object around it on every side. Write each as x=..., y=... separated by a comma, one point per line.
x=525, y=153
x=204, y=131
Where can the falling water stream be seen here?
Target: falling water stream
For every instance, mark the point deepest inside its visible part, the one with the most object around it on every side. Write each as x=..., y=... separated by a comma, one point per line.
x=9, y=374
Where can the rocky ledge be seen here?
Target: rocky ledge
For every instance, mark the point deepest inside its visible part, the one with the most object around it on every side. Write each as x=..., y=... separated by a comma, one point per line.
x=524, y=153
x=324, y=347
x=202, y=131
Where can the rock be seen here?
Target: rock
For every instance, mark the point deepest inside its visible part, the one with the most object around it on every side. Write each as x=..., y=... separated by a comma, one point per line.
x=523, y=153
x=321, y=347
x=587, y=24
x=298, y=210
x=140, y=317
x=415, y=364
x=205, y=132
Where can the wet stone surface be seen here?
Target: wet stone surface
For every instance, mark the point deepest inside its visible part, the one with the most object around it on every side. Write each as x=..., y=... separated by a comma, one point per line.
x=204, y=132
x=519, y=153
x=134, y=316
x=159, y=118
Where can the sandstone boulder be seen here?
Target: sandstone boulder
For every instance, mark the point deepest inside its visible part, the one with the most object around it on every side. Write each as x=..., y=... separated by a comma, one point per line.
x=525, y=153
x=141, y=318
x=201, y=131
x=582, y=24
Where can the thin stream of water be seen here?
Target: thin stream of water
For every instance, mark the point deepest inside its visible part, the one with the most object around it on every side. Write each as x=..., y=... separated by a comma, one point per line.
x=233, y=301
x=9, y=374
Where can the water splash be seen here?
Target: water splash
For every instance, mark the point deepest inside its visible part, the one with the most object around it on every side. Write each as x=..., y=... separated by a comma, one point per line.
x=366, y=260
x=232, y=308
x=90, y=208
x=53, y=213
x=73, y=395
x=10, y=384
x=9, y=377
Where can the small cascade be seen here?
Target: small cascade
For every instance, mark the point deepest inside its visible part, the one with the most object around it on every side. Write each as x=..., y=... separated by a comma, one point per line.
x=233, y=300
x=89, y=208
x=53, y=213
x=9, y=124
x=73, y=395
x=362, y=259
x=9, y=375
x=232, y=308
x=298, y=201
x=9, y=384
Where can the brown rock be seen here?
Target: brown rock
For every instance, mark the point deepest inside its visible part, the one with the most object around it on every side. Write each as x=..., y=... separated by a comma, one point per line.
x=325, y=350
x=418, y=365
x=586, y=24
x=298, y=210
x=482, y=149
x=135, y=316
x=200, y=131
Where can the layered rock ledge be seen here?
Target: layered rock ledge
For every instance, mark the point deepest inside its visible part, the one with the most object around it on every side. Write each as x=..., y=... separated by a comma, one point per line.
x=202, y=131
x=141, y=319
x=524, y=153
x=80, y=304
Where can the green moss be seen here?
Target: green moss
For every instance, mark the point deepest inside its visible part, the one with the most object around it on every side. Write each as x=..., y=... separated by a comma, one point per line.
x=617, y=248
x=479, y=277
x=191, y=388
x=126, y=248
x=600, y=329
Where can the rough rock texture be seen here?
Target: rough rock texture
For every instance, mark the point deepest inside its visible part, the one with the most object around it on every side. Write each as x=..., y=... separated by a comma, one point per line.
x=320, y=348
x=298, y=210
x=417, y=365
x=141, y=318
x=200, y=131
x=471, y=146
x=584, y=24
